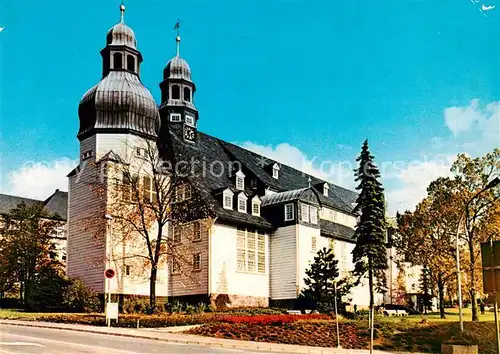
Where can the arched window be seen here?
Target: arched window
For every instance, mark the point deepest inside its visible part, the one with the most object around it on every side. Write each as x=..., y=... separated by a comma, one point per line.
x=187, y=94
x=117, y=61
x=130, y=63
x=176, y=92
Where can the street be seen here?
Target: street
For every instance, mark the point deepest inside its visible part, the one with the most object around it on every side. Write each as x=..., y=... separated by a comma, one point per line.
x=29, y=340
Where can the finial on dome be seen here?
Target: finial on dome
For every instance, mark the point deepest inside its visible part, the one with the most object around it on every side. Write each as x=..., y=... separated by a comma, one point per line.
x=122, y=11
x=178, y=38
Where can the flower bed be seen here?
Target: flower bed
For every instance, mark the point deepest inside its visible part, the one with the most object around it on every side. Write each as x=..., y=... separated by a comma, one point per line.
x=311, y=333
x=272, y=319
x=390, y=336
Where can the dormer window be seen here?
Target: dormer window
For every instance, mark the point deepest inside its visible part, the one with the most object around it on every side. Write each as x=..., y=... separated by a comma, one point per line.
x=190, y=120
x=227, y=199
x=253, y=183
x=326, y=188
x=240, y=181
x=289, y=214
x=175, y=117
x=242, y=203
x=256, y=205
x=276, y=170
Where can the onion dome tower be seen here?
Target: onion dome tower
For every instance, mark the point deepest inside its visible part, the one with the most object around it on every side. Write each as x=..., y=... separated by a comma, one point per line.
x=177, y=110
x=119, y=103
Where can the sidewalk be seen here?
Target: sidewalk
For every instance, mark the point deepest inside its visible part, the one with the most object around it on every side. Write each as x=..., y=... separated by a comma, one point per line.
x=166, y=335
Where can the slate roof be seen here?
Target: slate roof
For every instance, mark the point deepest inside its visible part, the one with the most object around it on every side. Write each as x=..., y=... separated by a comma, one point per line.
x=210, y=149
x=338, y=231
x=290, y=182
x=290, y=178
x=56, y=204
x=283, y=197
x=9, y=202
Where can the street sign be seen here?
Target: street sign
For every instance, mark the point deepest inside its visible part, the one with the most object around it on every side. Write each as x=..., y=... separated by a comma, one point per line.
x=112, y=310
x=491, y=267
x=109, y=273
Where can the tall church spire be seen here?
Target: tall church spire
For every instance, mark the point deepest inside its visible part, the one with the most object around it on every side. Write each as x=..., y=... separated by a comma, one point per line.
x=177, y=109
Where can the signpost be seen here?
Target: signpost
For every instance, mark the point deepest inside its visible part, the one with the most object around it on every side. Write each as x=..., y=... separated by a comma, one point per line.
x=491, y=276
x=111, y=308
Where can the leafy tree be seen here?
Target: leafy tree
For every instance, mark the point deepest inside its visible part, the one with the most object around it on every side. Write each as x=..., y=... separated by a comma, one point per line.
x=144, y=197
x=480, y=208
x=49, y=285
x=424, y=237
x=26, y=247
x=370, y=253
x=322, y=282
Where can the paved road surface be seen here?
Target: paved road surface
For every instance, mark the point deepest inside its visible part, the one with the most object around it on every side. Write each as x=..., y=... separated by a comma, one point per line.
x=29, y=340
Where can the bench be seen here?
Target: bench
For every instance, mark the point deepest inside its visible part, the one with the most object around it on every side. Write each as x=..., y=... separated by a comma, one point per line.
x=401, y=313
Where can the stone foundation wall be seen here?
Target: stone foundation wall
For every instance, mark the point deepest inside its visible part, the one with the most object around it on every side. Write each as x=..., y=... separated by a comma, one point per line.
x=221, y=301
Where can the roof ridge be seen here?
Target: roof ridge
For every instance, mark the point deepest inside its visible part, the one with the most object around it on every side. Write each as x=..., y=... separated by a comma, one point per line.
x=19, y=197
x=271, y=160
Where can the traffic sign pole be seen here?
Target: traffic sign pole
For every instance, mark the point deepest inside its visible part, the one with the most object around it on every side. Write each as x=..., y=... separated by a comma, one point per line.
x=108, y=274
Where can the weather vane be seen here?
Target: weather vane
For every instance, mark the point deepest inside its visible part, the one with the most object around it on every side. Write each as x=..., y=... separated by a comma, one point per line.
x=177, y=27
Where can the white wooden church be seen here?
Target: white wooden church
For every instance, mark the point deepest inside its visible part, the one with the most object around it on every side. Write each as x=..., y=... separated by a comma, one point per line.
x=271, y=219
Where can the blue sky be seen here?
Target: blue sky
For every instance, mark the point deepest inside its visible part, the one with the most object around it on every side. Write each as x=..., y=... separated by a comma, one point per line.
x=302, y=81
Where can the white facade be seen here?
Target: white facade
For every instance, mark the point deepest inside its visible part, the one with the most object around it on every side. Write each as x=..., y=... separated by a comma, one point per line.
x=225, y=278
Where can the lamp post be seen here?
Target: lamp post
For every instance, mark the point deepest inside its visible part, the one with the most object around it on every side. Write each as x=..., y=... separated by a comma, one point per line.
x=336, y=314
x=495, y=293
x=492, y=184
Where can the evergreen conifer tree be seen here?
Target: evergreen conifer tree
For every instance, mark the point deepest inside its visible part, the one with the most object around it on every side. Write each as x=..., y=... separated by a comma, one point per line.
x=370, y=253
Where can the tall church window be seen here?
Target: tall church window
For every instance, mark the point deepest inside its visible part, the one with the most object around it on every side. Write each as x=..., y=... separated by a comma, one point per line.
x=187, y=94
x=250, y=251
x=118, y=61
x=176, y=92
x=130, y=63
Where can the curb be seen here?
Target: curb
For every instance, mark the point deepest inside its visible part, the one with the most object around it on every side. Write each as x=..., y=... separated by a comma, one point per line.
x=238, y=346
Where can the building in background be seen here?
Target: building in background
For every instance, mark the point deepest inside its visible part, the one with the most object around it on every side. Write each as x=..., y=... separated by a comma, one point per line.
x=56, y=205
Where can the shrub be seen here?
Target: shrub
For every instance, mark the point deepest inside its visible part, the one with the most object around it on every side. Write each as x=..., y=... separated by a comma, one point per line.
x=78, y=297
x=174, y=307
x=201, y=307
x=135, y=305
x=46, y=291
x=190, y=309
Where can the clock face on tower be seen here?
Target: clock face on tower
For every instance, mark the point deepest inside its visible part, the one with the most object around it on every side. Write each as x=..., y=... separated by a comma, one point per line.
x=189, y=133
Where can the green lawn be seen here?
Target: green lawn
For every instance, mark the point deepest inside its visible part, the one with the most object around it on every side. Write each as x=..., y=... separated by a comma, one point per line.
x=451, y=316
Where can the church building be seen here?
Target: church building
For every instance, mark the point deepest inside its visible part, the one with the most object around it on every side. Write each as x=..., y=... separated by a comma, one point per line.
x=269, y=219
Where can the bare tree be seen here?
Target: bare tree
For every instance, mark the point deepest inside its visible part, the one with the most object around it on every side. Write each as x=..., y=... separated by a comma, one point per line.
x=149, y=202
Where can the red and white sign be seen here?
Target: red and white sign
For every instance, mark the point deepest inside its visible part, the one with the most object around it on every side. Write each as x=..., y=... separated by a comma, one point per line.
x=109, y=273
